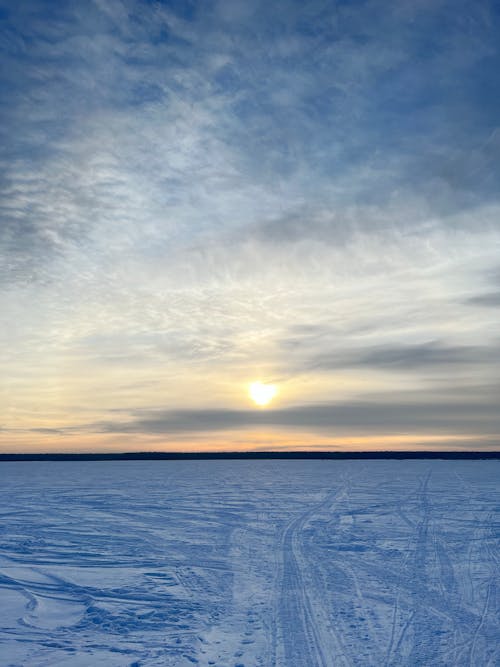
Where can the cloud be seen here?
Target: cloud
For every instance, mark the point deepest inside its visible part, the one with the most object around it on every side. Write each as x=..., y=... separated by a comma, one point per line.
x=114, y=101
x=431, y=355
x=200, y=192
x=367, y=417
x=491, y=299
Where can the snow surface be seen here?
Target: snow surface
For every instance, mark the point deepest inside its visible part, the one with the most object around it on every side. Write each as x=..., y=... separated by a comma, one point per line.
x=249, y=563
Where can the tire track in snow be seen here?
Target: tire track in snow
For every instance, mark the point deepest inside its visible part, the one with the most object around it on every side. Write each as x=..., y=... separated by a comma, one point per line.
x=301, y=633
x=396, y=606
x=419, y=556
x=479, y=626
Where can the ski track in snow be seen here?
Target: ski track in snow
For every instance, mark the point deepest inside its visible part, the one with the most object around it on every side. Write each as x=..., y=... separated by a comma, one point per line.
x=249, y=563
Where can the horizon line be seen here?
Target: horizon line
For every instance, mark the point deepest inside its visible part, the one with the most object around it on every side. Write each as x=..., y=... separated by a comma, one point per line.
x=260, y=454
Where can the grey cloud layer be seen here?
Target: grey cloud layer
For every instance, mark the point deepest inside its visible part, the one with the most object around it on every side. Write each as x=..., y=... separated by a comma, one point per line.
x=430, y=355
x=359, y=417
x=492, y=299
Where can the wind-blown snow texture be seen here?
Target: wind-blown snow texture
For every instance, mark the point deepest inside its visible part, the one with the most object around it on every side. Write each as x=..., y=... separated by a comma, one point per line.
x=231, y=563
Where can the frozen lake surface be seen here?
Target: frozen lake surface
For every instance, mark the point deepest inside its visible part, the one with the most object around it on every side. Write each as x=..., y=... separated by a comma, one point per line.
x=249, y=563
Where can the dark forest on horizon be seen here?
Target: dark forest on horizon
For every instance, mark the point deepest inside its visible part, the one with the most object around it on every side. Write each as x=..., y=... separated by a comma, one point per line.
x=271, y=455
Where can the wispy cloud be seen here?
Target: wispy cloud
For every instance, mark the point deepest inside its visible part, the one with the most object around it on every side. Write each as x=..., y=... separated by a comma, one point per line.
x=194, y=194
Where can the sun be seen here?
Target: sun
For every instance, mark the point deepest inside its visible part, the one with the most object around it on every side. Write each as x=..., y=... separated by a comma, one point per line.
x=262, y=393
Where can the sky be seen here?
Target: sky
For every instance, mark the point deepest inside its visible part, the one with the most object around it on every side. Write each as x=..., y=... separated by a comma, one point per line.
x=199, y=195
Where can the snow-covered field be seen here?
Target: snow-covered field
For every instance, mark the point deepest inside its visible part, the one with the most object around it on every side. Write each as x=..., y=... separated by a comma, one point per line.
x=232, y=563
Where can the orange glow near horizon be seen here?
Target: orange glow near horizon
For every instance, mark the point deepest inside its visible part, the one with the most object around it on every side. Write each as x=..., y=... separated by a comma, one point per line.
x=257, y=440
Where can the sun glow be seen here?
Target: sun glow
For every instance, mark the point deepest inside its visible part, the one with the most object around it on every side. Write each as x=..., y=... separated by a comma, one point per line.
x=261, y=393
